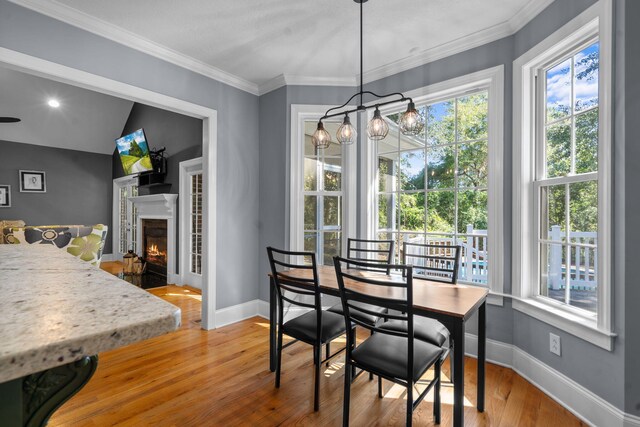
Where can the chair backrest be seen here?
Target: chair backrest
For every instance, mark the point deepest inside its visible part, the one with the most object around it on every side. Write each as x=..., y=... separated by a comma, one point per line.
x=371, y=252
x=292, y=274
x=439, y=263
x=394, y=292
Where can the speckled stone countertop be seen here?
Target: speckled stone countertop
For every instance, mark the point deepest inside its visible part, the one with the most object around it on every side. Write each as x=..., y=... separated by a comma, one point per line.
x=55, y=309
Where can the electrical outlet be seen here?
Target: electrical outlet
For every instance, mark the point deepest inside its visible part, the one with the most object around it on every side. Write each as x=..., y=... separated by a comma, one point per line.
x=554, y=344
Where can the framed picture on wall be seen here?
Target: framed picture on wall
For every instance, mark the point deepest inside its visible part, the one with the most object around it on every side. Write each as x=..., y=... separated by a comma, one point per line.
x=5, y=196
x=32, y=182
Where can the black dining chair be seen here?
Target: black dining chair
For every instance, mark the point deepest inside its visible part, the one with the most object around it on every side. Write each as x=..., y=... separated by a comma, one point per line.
x=436, y=263
x=393, y=355
x=295, y=275
x=369, y=254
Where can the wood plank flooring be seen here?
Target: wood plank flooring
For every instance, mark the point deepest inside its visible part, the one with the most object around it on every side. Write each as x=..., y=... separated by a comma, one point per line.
x=221, y=378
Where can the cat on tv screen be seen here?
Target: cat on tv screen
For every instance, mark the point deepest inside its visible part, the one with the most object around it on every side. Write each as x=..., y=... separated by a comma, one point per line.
x=134, y=153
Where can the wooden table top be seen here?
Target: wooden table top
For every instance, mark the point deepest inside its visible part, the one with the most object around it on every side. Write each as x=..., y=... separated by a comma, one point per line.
x=452, y=300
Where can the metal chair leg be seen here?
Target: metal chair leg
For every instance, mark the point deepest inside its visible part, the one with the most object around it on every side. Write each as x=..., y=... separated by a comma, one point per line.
x=316, y=397
x=436, y=392
x=410, y=403
x=380, y=387
x=328, y=352
x=279, y=358
x=347, y=394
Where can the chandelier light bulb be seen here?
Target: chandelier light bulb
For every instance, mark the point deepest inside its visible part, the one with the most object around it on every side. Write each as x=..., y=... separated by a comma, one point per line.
x=346, y=132
x=411, y=122
x=321, y=138
x=377, y=127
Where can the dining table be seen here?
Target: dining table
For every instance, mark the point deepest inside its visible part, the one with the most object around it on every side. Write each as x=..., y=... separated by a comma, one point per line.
x=451, y=304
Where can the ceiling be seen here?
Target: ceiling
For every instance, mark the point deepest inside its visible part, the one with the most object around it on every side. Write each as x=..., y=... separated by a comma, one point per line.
x=85, y=121
x=254, y=42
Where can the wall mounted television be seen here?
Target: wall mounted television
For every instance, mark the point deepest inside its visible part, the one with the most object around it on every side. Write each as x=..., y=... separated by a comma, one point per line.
x=134, y=153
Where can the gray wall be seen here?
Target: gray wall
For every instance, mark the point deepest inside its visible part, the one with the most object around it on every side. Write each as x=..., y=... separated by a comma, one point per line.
x=78, y=186
x=600, y=371
x=181, y=136
x=34, y=34
x=627, y=200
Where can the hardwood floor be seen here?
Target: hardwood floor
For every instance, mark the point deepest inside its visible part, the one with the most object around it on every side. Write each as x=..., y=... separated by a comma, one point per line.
x=197, y=378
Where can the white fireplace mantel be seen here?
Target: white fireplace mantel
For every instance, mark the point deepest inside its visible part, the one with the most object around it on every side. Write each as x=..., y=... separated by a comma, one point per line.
x=160, y=206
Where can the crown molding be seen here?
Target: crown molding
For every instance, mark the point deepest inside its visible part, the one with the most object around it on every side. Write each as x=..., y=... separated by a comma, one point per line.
x=470, y=41
x=530, y=10
x=290, y=80
x=122, y=36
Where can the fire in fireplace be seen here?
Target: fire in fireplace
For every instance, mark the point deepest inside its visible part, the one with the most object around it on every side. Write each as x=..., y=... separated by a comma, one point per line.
x=154, y=232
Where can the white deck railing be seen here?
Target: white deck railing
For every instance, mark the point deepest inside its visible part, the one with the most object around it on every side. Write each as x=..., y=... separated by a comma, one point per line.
x=474, y=258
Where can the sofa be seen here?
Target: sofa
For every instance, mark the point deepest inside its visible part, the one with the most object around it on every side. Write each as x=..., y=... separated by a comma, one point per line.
x=84, y=242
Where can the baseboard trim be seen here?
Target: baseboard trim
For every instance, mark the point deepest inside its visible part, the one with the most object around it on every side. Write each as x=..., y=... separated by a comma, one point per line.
x=236, y=313
x=583, y=403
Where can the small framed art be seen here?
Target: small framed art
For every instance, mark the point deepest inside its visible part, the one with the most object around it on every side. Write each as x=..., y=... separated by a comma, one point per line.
x=5, y=196
x=32, y=182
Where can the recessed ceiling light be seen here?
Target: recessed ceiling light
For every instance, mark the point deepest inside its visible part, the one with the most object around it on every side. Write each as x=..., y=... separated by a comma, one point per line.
x=53, y=103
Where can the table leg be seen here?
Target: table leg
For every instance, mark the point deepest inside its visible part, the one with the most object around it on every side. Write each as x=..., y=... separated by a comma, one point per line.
x=273, y=321
x=482, y=344
x=30, y=401
x=458, y=379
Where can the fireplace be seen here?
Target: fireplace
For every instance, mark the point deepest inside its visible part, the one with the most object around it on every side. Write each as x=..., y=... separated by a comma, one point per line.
x=154, y=242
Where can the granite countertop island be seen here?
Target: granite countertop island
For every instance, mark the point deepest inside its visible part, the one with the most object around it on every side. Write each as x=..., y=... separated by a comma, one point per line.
x=56, y=309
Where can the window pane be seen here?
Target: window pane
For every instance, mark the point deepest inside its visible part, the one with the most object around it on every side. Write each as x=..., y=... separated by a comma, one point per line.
x=412, y=170
x=583, y=291
x=310, y=242
x=391, y=142
x=472, y=210
x=587, y=141
x=553, y=215
x=332, y=210
x=586, y=72
x=441, y=211
x=310, y=174
x=583, y=210
x=390, y=236
x=387, y=170
x=386, y=211
x=552, y=272
x=441, y=123
x=412, y=212
x=332, y=174
x=440, y=167
x=473, y=164
x=472, y=117
x=559, y=91
x=310, y=212
x=332, y=244
x=474, y=258
x=558, y=149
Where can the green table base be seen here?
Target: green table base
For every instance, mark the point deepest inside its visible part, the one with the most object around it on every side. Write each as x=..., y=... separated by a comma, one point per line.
x=31, y=400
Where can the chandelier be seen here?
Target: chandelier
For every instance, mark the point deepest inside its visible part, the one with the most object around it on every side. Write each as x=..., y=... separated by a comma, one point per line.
x=411, y=122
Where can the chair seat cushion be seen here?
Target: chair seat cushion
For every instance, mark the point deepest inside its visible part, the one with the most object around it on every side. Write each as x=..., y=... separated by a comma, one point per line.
x=387, y=355
x=369, y=319
x=424, y=328
x=303, y=327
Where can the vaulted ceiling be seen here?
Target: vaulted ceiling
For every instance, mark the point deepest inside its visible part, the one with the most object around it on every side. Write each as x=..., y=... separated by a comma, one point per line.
x=85, y=120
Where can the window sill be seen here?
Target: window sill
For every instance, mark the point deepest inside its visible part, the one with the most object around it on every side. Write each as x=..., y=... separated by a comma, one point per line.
x=579, y=326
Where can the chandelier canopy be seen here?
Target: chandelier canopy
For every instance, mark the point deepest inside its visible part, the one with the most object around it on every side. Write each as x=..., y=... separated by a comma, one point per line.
x=411, y=122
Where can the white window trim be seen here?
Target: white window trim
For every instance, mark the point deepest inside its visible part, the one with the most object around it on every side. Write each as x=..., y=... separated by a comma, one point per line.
x=188, y=168
x=492, y=80
x=598, y=19
x=300, y=114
